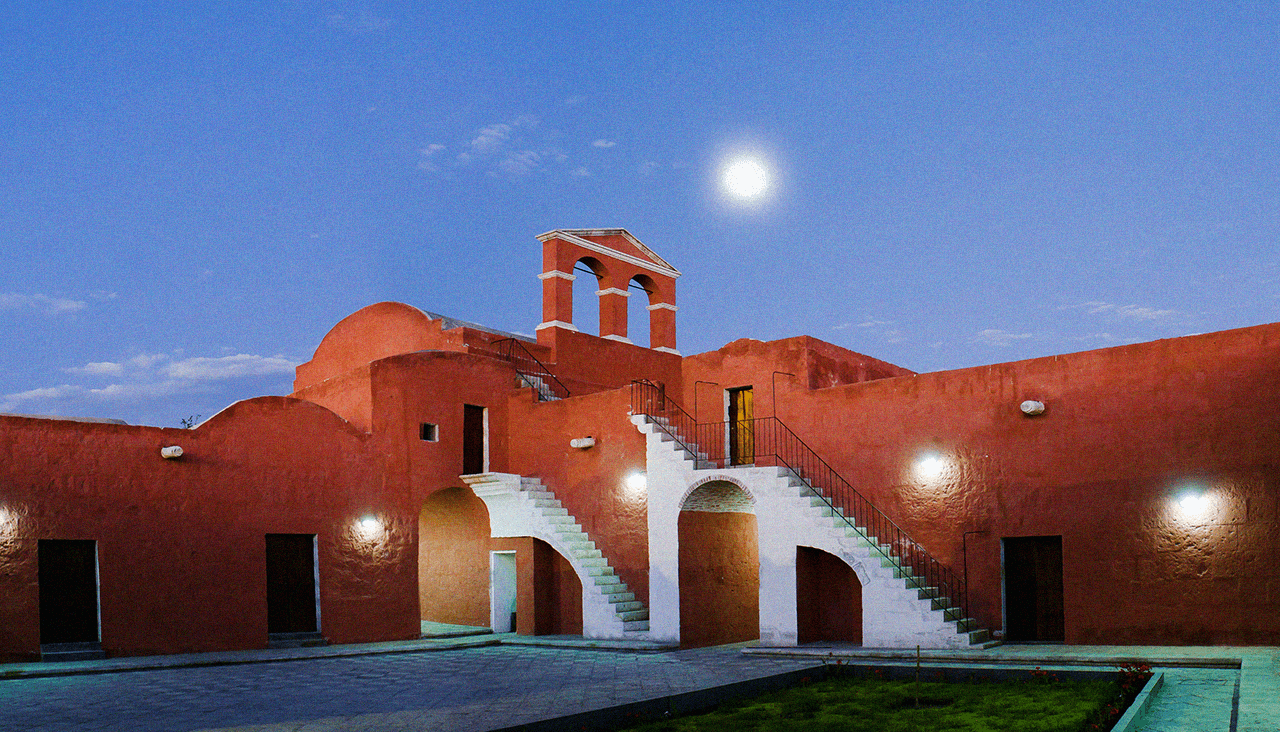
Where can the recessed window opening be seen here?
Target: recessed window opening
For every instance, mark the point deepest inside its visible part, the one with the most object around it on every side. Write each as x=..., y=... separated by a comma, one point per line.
x=429, y=432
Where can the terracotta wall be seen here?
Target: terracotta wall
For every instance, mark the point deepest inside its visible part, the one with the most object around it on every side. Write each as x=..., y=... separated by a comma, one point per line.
x=181, y=543
x=590, y=483
x=453, y=558
x=719, y=578
x=793, y=365
x=588, y=363
x=1125, y=431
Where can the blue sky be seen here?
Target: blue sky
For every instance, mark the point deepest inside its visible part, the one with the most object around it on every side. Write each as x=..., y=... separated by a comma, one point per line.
x=192, y=194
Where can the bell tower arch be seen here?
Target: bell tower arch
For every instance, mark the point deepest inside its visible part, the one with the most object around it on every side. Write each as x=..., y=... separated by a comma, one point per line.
x=620, y=258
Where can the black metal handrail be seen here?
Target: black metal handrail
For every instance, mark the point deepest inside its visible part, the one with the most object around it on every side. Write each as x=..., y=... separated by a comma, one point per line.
x=532, y=371
x=767, y=442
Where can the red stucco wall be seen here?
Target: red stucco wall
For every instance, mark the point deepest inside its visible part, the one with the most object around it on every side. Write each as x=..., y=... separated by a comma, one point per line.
x=1125, y=430
x=181, y=543
x=590, y=483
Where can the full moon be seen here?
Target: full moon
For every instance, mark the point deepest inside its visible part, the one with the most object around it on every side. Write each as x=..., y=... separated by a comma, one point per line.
x=745, y=178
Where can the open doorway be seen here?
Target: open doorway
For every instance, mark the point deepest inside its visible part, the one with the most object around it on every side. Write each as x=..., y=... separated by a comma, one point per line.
x=502, y=591
x=475, y=439
x=68, y=577
x=719, y=557
x=828, y=598
x=293, y=600
x=1033, y=600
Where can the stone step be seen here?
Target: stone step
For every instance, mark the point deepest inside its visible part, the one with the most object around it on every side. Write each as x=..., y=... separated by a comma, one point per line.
x=587, y=554
x=562, y=519
x=979, y=637
x=607, y=579
x=628, y=605
x=592, y=561
x=538, y=494
x=634, y=615
x=618, y=593
x=599, y=571
x=546, y=503
x=636, y=625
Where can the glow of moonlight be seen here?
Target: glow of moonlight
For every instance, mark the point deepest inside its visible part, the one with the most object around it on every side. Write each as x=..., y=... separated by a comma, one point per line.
x=745, y=178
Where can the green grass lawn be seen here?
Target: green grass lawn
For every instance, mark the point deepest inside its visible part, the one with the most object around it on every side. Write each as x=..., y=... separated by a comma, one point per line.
x=847, y=703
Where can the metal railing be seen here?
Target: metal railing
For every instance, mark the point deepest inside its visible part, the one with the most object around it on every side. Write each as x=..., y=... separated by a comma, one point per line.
x=767, y=442
x=532, y=371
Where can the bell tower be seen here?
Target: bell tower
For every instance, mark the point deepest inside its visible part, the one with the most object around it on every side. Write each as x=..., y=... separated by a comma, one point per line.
x=617, y=259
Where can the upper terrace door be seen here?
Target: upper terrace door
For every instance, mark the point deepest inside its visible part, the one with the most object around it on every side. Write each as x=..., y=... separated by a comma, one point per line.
x=474, y=459
x=742, y=448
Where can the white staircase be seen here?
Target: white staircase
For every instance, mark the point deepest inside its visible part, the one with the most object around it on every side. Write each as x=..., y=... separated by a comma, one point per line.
x=899, y=609
x=522, y=506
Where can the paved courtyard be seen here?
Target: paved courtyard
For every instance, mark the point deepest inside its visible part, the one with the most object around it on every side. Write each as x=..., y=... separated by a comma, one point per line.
x=462, y=686
x=467, y=689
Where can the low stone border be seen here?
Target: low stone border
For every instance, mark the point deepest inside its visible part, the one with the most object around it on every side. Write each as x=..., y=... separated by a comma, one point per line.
x=1141, y=704
x=702, y=700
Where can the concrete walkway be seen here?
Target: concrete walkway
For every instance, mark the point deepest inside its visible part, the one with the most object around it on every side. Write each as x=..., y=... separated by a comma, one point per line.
x=483, y=682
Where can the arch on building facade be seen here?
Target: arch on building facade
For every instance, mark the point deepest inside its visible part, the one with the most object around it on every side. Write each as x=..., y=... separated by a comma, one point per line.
x=719, y=564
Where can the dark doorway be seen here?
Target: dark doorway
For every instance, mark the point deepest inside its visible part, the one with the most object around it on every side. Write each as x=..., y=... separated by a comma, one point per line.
x=742, y=448
x=472, y=440
x=68, y=577
x=291, y=583
x=1033, y=589
x=828, y=598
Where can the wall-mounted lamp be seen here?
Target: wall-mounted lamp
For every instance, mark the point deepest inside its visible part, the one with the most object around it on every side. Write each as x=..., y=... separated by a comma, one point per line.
x=1032, y=408
x=637, y=482
x=930, y=466
x=173, y=452
x=1193, y=503
x=583, y=443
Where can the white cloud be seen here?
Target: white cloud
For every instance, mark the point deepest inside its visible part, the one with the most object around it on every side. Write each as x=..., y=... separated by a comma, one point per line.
x=426, y=161
x=1123, y=312
x=491, y=138
x=101, y=368
x=580, y=172
x=520, y=163
x=605, y=144
x=146, y=376
x=228, y=367
x=997, y=337
x=41, y=303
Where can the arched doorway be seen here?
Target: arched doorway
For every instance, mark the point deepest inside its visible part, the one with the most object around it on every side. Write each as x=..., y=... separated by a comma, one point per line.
x=828, y=598
x=719, y=558
x=453, y=558
x=557, y=592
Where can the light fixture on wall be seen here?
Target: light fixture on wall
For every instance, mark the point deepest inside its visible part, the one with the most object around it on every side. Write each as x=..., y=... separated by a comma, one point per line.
x=637, y=482
x=1032, y=408
x=173, y=452
x=1194, y=503
x=930, y=466
x=370, y=524
x=583, y=443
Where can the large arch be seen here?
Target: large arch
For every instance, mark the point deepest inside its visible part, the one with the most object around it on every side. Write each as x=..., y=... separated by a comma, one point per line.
x=719, y=559
x=828, y=598
x=453, y=558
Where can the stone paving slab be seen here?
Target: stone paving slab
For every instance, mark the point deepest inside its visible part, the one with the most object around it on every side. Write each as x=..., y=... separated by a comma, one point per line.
x=467, y=690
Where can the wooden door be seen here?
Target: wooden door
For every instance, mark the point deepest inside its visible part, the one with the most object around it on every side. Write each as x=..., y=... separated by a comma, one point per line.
x=291, y=583
x=742, y=449
x=68, y=577
x=1033, y=589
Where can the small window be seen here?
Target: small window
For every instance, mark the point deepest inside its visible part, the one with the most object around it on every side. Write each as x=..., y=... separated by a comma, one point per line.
x=429, y=432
